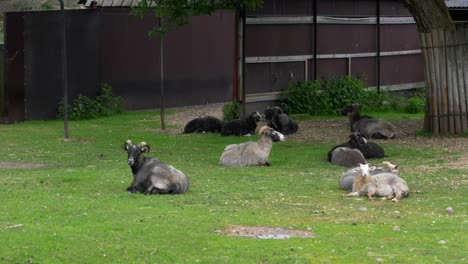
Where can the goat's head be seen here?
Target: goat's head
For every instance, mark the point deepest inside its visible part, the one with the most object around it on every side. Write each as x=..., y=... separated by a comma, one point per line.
x=134, y=152
x=270, y=132
x=348, y=110
x=357, y=139
x=392, y=167
x=364, y=168
x=256, y=116
x=271, y=111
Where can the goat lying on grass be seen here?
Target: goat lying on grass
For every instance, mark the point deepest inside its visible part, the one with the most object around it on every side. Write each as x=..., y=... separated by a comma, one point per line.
x=203, y=125
x=368, y=126
x=152, y=176
x=356, y=141
x=280, y=121
x=252, y=153
x=241, y=127
x=386, y=185
x=347, y=178
x=347, y=157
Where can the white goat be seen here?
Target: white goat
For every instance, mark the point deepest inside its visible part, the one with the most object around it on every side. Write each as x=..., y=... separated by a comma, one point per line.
x=387, y=185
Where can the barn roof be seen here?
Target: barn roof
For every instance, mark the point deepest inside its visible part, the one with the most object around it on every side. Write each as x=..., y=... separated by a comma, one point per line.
x=456, y=3
x=109, y=3
x=127, y=3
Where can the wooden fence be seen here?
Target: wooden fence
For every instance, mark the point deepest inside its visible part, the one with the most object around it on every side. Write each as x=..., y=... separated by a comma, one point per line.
x=446, y=73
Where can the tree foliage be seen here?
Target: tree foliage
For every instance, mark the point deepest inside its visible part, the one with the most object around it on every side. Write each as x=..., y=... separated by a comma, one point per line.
x=176, y=13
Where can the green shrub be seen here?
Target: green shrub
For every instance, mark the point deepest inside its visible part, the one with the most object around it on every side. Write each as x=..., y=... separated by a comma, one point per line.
x=85, y=108
x=305, y=97
x=415, y=104
x=231, y=110
x=324, y=97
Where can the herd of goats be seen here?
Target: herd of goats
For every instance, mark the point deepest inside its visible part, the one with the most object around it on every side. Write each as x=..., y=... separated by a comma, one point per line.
x=152, y=176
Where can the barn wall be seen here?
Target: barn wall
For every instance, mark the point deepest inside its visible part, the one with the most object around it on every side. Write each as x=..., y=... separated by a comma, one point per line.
x=111, y=46
x=280, y=45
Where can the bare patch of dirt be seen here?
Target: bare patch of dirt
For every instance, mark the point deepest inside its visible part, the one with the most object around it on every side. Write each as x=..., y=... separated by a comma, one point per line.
x=17, y=165
x=264, y=232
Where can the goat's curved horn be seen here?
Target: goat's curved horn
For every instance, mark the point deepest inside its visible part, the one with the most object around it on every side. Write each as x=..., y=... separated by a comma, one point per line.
x=144, y=147
x=126, y=144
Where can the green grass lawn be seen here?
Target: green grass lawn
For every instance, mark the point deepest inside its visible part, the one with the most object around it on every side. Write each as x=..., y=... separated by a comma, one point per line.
x=76, y=209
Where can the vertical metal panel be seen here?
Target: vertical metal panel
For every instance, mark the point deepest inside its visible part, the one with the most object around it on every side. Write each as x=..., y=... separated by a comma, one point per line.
x=364, y=68
x=14, y=45
x=258, y=77
x=42, y=60
x=285, y=73
x=402, y=69
x=399, y=37
x=278, y=40
x=352, y=39
x=198, y=59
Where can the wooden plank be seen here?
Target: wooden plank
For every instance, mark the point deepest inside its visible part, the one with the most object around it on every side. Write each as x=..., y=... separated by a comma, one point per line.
x=442, y=85
x=427, y=109
x=281, y=20
x=453, y=102
x=463, y=74
x=433, y=56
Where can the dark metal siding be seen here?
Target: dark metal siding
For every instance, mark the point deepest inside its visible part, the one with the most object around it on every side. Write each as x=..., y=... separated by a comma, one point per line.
x=14, y=66
x=43, y=90
x=278, y=40
x=112, y=46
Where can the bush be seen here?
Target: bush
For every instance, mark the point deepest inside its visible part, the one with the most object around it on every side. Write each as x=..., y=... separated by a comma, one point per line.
x=231, y=110
x=415, y=105
x=324, y=98
x=85, y=108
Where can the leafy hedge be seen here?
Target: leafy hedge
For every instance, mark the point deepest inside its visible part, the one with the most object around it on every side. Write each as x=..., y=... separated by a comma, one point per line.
x=318, y=98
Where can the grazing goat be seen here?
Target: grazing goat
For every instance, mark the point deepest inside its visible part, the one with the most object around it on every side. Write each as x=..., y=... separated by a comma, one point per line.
x=150, y=175
x=386, y=185
x=347, y=178
x=280, y=121
x=347, y=157
x=241, y=127
x=203, y=125
x=368, y=149
x=252, y=153
x=368, y=126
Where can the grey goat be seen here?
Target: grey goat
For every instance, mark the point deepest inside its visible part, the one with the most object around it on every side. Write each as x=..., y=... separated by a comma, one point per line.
x=347, y=157
x=347, y=178
x=152, y=176
x=252, y=153
x=368, y=126
x=386, y=185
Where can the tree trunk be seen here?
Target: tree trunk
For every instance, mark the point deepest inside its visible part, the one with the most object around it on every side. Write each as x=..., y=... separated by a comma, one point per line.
x=445, y=50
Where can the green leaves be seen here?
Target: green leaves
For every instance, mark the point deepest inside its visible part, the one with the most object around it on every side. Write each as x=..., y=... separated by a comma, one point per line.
x=85, y=108
x=175, y=13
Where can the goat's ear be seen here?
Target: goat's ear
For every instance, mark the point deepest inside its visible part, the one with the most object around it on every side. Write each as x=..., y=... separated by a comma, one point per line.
x=125, y=146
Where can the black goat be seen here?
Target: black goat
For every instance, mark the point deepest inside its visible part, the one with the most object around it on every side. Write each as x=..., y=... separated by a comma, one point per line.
x=368, y=126
x=280, y=121
x=204, y=124
x=150, y=175
x=356, y=141
x=240, y=127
